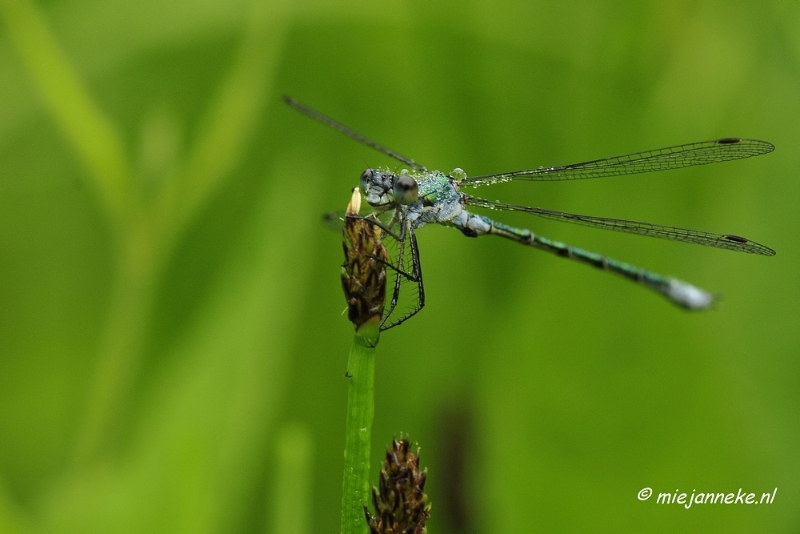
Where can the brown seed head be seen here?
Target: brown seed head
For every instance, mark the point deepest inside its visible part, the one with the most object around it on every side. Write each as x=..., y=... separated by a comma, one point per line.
x=400, y=503
x=364, y=268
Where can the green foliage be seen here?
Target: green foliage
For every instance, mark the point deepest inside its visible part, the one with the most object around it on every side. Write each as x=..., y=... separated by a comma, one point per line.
x=169, y=301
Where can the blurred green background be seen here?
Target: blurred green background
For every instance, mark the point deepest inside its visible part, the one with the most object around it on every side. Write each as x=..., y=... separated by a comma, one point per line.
x=172, y=347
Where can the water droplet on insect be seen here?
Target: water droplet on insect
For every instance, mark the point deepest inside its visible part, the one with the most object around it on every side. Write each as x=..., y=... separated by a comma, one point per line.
x=459, y=174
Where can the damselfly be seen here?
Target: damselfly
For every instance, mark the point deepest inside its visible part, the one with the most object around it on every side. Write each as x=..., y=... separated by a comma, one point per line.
x=416, y=196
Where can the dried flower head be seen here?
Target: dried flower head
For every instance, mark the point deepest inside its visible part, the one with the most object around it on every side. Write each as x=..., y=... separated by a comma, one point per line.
x=364, y=268
x=400, y=503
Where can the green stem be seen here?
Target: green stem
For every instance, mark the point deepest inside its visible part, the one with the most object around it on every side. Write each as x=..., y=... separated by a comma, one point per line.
x=360, y=410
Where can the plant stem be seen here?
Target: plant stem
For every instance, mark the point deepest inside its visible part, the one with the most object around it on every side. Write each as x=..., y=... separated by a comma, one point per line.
x=360, y=410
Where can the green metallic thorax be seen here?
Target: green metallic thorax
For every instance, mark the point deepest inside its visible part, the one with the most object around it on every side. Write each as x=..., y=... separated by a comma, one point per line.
x=434, y=186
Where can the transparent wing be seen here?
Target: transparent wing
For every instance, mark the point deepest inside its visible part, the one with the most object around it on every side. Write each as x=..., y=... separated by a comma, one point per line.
x=352, y=134
x=407, y=296
x=662, y=159
x=674, y=233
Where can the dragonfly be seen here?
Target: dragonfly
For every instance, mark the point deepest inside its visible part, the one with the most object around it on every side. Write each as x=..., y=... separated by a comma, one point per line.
x=415, y=196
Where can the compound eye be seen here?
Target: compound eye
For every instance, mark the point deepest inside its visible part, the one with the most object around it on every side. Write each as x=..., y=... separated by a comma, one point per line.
x=405, y=190
x=366, y=178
